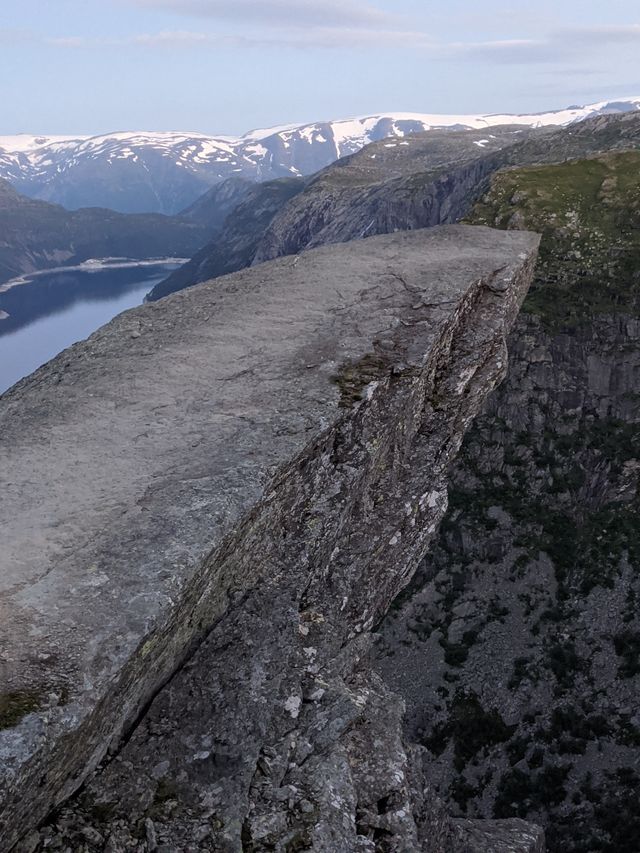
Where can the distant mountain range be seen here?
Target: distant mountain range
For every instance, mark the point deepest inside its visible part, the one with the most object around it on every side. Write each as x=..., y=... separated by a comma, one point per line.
x=166, y=172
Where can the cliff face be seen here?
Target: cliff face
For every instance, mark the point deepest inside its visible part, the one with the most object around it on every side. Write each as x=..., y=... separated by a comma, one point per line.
x=424, y=182
x=336, y=214
x=518, y=650
x=233, y=533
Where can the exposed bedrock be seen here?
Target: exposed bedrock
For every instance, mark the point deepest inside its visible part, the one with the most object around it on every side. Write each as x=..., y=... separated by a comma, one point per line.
x=206, y=507
x=336, y=214
x=524, y=625
x=518, y=649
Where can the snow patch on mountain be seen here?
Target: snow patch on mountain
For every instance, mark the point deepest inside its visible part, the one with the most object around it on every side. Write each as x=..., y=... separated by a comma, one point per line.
x=165, y=171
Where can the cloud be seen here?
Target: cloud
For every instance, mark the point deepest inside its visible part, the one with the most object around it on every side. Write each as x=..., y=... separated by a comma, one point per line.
x=556, y=47
x=507, y=51
x=559, y=48
x=175, y=38
x=67, y=41
x=276, y=13
x=340, y=37
x=327, y=38
x=604, y=35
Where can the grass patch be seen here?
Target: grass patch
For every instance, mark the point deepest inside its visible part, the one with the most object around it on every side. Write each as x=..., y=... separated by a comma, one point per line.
x=588, y=212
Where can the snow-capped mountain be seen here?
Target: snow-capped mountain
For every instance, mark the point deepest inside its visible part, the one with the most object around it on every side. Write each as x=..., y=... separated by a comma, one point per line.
x=166, y=172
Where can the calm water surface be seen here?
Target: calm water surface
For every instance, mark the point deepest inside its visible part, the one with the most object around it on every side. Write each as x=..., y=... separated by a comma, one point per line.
x=55, y=310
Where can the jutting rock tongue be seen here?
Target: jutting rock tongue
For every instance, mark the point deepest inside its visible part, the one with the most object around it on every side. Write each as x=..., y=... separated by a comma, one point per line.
x=221, y=493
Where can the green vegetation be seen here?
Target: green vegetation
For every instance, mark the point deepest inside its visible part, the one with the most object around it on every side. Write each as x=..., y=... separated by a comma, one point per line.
x=563, y=660
x=456, y=654
x=588, y=212
x=521, y=793
x=607, y=819
x=15, y=706
x=354, y=378
x=522, y=671
x=566, y=478
x=586, y=543
x=570, y=730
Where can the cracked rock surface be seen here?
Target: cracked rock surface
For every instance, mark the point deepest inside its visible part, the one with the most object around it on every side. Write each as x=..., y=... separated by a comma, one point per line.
x=206, y=508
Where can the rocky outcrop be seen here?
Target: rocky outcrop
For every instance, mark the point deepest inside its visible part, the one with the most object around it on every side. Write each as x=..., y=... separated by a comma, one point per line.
x=518, y=649
x=222, y=493
x=418, y=182
x=392, y=185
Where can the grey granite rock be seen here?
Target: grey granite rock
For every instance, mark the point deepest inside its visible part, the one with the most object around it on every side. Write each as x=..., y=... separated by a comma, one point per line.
x=499, y=836
x=222, y=493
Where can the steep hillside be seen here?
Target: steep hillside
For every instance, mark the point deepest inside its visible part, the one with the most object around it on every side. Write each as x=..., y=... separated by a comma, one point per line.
x=136, y=172
x=518, y=650
x=425, y=181
x=212, y=208
x=338, y=204
x=35, y=235
x=234, y=245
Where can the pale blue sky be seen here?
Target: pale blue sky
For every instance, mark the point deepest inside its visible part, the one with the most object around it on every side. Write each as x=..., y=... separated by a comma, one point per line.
x=225, y=66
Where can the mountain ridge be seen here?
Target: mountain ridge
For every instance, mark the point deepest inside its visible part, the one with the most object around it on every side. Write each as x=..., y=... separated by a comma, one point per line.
x=165, y=172
x=429, y=179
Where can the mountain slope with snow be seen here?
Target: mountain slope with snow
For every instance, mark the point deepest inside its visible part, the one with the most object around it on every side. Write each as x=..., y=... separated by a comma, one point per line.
x=166, y=172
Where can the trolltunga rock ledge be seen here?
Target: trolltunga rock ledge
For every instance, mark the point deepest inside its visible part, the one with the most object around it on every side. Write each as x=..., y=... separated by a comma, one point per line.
x=281, y=434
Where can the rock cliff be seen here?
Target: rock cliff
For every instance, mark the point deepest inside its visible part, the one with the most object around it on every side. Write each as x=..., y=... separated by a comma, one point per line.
x=206, y=507
x=425, y=181
x=392, y=185
x=518, y=649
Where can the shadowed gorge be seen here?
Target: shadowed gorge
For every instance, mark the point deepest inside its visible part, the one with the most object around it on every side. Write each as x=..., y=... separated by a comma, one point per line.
x=524, y=620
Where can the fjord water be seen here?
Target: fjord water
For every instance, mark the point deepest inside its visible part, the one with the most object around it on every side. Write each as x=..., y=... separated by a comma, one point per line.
x=54, y=310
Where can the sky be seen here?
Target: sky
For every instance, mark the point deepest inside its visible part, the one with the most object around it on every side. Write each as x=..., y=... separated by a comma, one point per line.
x=228, y=66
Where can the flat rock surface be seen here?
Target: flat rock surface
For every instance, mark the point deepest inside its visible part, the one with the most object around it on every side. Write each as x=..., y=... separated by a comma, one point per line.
x=131, y=457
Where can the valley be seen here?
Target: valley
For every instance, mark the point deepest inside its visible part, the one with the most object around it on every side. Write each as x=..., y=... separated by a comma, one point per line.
x=363, y=552
x=37, y=235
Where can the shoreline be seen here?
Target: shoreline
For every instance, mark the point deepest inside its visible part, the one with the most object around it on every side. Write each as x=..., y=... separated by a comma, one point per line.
x=90, y=265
